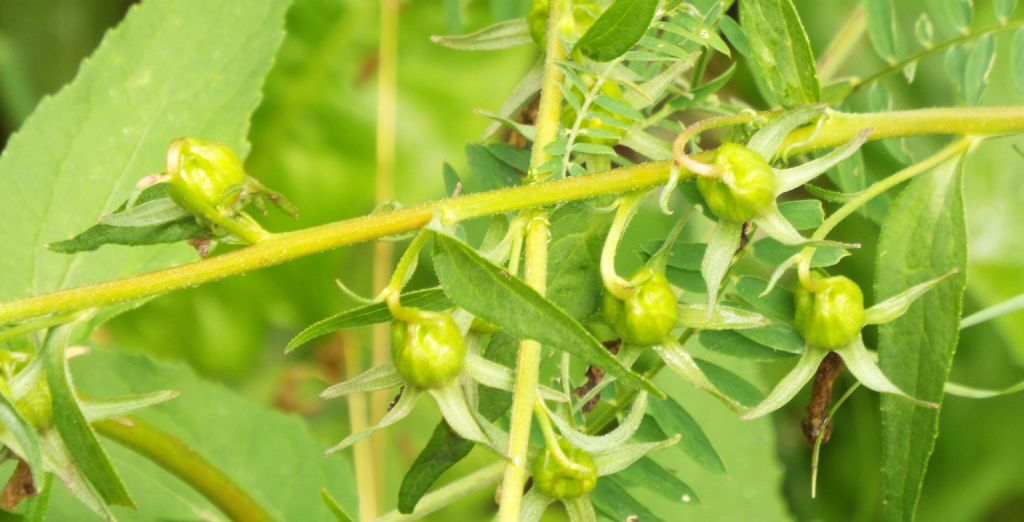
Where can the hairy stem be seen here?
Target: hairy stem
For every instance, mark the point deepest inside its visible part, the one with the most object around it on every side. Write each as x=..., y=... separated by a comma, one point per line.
x=840, y=128
x=535, y=261
x=184, y=463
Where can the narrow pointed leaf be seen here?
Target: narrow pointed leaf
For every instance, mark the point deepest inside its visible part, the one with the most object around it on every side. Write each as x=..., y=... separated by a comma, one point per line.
x=724, y=242
x=452, y=403
x=476, y=285
x=25, y=436
x=733, y=344
x=731, y=384
x=154, y=212
x=501, y=377
x=897, y=305
x=534, y=505
x=721, y=318
x=923, y=237
x=502, y=35
x=883, y=29
x=399, y=411
x=782, y=56
x=617, y=459
x=862, y=364
x=968, y=392
x=617, y=30
x=997, y=310
x=680, y=361
x=649, y=474
x=675, y=420
x=767, y=141
x=790, y=385
x=979, y=65
x=77, y=434
x=795, y=177
x=613, y=439
x=771, y=251
x=108, y=408
x=580, y=509
x=428, y=299
x=611, y=499
x=803, y=214
x=379, y=378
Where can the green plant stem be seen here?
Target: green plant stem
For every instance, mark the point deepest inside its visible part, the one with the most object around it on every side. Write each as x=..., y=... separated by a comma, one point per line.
x=282, y=247
x=931, y=51
x=842, y=45
x=184, y=463
x=535, y=261
x=445, y=496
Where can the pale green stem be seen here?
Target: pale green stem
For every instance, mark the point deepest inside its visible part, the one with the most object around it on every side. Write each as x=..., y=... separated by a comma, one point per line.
x=820, y=439
x=551, y=438
x=524, y=395
x=842, y=45
x=293, y=245
x=449, y=494
x=615, y=284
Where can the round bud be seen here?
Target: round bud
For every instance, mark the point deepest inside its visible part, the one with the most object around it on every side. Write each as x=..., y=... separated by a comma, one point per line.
x=556, y=480
x=204, y=175
x=648, y=315
x=429, y=352
x=745, y=187
x=831, y=315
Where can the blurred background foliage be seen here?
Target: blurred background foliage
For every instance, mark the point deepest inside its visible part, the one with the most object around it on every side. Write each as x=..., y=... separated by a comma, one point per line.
x=313, y=139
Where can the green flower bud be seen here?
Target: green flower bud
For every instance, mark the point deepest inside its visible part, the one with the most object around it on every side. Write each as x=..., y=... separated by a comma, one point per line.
x=831, y=315
x=746, y=187
x=556, y=480
x=584, y=12
x=649, y=315
x=204, y=176
x=429, y=352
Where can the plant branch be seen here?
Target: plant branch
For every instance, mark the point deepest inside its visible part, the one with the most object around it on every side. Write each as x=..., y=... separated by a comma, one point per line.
x=279, y=248
x=445, y=496
x=180, y=460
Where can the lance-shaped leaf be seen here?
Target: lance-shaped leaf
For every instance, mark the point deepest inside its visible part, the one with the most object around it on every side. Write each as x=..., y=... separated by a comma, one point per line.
x=74, y=429
x=969, y=392
x=24, y=436
x=399, y=411
x=795, y=177
x=781, y=52
x=456, y=412
x=97, y=410
x=379, y=378
x=699, y=317
x=154, y=212
x=614, y=460
x=775, y=225
x=58, y=461
x=613, y=500
x=648, y=474
x=477, y=285
x=680, y=361
x=790, y=385
x=673, y=419
x=862, y=364
x=580, y=509
x=534, y=505
x=769, y=138
x=428, y=299
x=724, y=242
x=502, y=35
x=897, y=305
x=501, y=377
x=617, y=30
x=613, y=439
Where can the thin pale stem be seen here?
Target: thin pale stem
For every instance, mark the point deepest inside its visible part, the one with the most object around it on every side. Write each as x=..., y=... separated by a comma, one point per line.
x=283, y=247
x=842, y=45
x=183, y=462
x=615, y=284
x=692, y=164
x=524, y=395
x=445, y=496
x=367, y=478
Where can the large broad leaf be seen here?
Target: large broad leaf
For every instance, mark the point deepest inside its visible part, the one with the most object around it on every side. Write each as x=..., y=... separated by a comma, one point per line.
x=170, y=69
x=923, y=237
x=782, y=56
x=272, y=456
x=495, y=296
x=617, y=30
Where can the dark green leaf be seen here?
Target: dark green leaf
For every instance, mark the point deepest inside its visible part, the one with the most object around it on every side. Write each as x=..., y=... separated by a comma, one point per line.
x=445, y=448
x=105, y=234
x=648, y=474
x=883, y=29
x=617, y=30
x=77, y=434
x=689, y=280
x=777, y=304
x=574, y=276
x=772, y=252
x=502, y=35
x=778, y=336
x=428, y=299
x=684, y=256
x=673, y=420
x=25, y=434
x=612, y=500
x=476, y=284
x=923, y=237
x=731, y=343
x=487, y=171
x=734, y=33
x=804, y=213
x=731, y=384
x=782, y=53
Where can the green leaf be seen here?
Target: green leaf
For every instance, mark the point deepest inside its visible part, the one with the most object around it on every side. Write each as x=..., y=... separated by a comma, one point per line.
x=673, y=419
x=428, y=299
x=611, y=499
x=25, y=435
x=883, y=29
x=733, y=385
x=1003, y=9
x=1017, y=59
x=333, y=506
x=923, y=237
x=574, y=276
x=254, y=445
x=502, y=35
x=979, y=65
x=804, y=214
x=161, y=74
x=77, y=434
x=734, y=33
x=782, y=56
x=445, y=448
x=733, y=344
x=476, y=284
x=777, y=304
x=112, y=232
x=646, y=473
x=487, y=171
x=772, y=252
x=617, y=30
